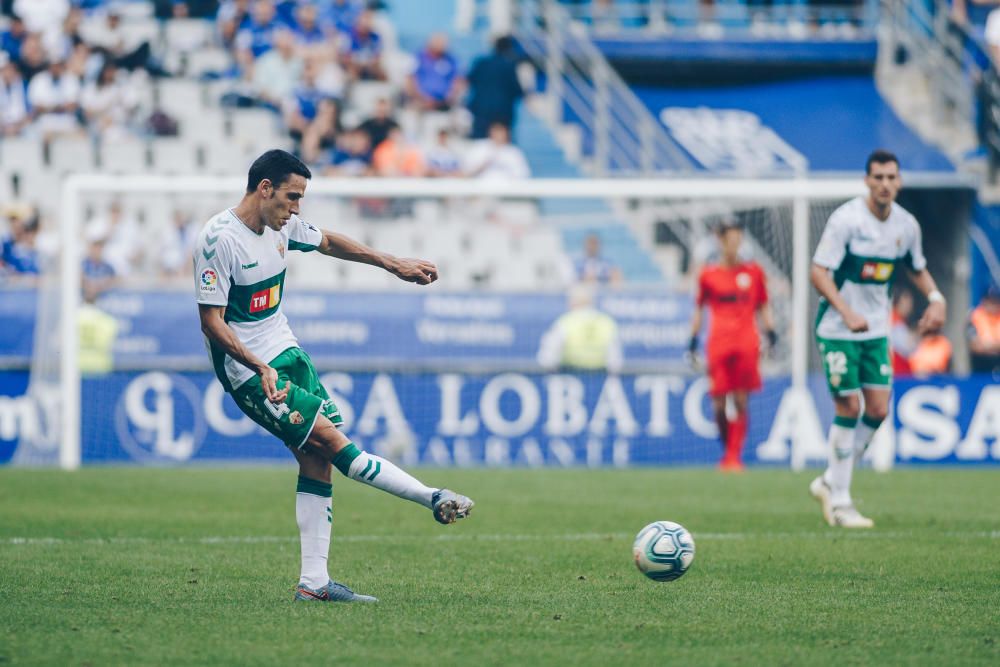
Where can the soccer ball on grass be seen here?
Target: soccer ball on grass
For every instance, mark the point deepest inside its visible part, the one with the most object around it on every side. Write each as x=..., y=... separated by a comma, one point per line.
x=663, y=550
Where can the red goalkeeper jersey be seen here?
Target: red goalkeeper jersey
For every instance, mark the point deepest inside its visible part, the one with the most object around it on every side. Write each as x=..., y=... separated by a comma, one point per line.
x=733, y=295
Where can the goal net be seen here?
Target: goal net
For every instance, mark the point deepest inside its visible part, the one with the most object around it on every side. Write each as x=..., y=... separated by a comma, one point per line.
x=441, y=375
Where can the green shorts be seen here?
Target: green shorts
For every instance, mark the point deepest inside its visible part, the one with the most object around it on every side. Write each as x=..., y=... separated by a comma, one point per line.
x=853, y=364
x=293, y=420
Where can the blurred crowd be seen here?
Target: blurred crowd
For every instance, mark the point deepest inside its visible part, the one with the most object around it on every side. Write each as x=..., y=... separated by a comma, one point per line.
x=72, y=68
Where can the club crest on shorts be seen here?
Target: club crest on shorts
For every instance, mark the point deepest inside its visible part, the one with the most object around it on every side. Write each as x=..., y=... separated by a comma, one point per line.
x=834, y=380
x=296, y=417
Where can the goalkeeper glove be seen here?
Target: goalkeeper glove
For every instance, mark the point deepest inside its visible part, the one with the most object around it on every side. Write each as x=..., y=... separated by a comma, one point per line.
x=772, y=338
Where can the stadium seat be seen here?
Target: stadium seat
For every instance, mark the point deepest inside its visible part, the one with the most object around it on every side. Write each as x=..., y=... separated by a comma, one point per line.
x=21, y=154
x=187, y=35
x=71, y=154
x=208, y=62
x=260, y=125
x=209, y=125
x=181, y=98
x=365, y=94
x=123, y=156
x=174, y=156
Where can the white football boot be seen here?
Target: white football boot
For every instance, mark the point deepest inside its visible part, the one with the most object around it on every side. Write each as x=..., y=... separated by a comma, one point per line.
x=848, y=516
x=822, y=492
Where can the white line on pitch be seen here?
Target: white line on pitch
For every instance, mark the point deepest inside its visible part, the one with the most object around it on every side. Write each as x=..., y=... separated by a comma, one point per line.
x=488, y=537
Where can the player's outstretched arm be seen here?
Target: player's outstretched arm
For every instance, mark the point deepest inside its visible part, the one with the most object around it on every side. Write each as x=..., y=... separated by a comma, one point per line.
x=823, y=282
x=213, y=325
x=936, y=313
x=412, y=270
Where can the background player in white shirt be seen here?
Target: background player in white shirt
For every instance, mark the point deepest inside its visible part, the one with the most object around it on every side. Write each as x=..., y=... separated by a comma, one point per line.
x=864, y=243
x=239, y=271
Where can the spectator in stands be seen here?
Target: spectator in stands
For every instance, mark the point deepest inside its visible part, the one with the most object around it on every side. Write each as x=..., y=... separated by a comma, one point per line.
x=33, y=59
x=312, y=36
x=325, y=129
x=109, y=104
x=361, y=56
x=342, y=14
x=443, y=161
x=902, y=338
x=19, y=257
x=54, y=96
x=351, y=156
x=277, y=72
x=183, y=9
x=257, y=37
x=380, y=124
x=933, y=354
x=116, y=44
x=122, y=245
x=98, y=275
x=984, y=333
x=583, y=339
x=14, y=115
x=233, y=16
x=311, y=113
x=496, y=158
x=494, y=88
x=45, y=18
x=172, y=255
x=593, y=267
x=12, y=38
x=396, y=157
x=436, y=84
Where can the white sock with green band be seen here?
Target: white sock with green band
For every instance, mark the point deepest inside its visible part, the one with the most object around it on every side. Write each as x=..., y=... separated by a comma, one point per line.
x=863, y=435
x=382, y=474
x=314, y=514
x=841, y=461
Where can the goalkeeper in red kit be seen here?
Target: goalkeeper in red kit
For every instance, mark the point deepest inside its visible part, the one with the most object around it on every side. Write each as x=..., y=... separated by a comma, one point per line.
x=734, y=291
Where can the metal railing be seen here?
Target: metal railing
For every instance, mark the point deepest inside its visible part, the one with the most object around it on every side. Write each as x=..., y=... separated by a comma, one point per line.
x=625, y=137
x=731, y=16
x=937, y=46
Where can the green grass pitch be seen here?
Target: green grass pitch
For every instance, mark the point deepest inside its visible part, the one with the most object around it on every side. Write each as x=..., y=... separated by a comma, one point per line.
x=140, y=566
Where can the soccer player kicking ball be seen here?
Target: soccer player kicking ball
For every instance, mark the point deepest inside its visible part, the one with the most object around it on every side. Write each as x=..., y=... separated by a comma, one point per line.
x=239, y=271
x=735, y=292
x=865, y=241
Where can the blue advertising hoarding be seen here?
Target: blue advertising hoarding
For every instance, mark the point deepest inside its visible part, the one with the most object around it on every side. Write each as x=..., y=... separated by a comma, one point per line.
x=498, y=419
x=160, y=329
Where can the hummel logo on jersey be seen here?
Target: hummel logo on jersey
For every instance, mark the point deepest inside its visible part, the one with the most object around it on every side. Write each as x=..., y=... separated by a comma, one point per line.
x=248, y=266
x=265, y=299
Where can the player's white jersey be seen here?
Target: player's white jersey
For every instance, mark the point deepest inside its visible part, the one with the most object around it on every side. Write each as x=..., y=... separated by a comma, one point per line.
x=245, y=272
x=864, y=254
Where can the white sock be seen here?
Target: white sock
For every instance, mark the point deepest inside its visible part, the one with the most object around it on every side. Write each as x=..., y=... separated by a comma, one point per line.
x=314, y=513
x=863, y=434
x=382, y=474
x=841, y=462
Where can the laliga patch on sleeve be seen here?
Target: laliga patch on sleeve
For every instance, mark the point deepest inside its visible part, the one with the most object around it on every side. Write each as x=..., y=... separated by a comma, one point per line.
x=209, y=283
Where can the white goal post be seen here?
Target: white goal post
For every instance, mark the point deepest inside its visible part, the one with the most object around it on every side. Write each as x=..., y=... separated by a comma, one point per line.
x=796, y=193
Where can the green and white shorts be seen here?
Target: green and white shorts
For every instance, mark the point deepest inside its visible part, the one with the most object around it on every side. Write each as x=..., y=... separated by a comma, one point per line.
x=291, y=421
x=853, y=364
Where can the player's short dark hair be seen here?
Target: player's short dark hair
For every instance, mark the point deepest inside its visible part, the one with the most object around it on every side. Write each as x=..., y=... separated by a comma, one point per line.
x=276, y=166
x=880, y=156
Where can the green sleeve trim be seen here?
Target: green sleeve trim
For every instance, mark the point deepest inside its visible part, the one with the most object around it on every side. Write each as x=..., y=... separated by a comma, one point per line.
x=301, y=247
x=871, y=422
x=845, y=422
x=314, y=487
x=345, y=457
